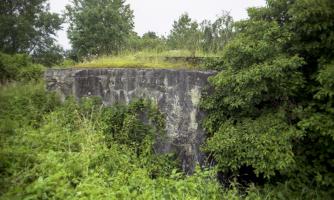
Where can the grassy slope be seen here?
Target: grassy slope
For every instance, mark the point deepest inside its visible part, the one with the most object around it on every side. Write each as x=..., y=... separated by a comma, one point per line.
x=133, y=62
x=143, y=60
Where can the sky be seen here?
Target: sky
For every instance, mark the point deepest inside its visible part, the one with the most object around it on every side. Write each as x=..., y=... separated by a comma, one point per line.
x=159, y=15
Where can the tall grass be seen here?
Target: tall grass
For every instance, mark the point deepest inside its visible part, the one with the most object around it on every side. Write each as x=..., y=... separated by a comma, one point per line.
x=173, y=53
x=144, y=59
x=132, y=61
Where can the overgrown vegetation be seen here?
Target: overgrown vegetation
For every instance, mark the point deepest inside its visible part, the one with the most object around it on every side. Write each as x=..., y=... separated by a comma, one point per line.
x=18, y=67
x=179, y=59
x=132, y=61
x=270, y=119
x=271, y=116
x=85, y=151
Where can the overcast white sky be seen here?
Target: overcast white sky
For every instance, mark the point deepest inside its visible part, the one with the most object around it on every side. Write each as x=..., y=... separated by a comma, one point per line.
x=158, y=15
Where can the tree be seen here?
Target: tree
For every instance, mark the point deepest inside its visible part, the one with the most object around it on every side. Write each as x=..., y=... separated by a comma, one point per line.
x=208, y=36
x=272, y=111
x=150, y=40
x=217, y=34
x=99, y=27
x=48, y=54
x=184, y=34
x=206, y=28
x=27, y=26
x=150, y=35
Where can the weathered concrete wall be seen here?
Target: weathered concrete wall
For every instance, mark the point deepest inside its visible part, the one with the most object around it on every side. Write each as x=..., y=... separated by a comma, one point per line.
x=176, y=92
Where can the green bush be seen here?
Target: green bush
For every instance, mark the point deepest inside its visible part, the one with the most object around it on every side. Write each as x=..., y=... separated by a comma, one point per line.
x=213, y=63
x=18, y=67
x=67, y=63
x=25, y=104
x=272, y=111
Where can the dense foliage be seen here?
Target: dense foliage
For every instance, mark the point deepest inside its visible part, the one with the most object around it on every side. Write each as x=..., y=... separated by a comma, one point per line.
x=149, y=41
x=216, y=35
x=270, y=119
x=99, y=27
x=272, y=112
x=207, y=36
x=28, y=27
x=85, y=151
x=184, y=34
x=18, y=67
x=106, y=28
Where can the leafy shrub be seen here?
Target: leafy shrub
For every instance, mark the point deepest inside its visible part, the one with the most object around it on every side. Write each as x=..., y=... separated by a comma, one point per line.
x=272, y=110
x=18, y=67
x=25, y=104
x=251, y=142
x=215, y=63
x=67, y=63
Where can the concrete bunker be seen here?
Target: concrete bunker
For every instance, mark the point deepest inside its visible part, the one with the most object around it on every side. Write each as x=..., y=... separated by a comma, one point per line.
x=177, y=94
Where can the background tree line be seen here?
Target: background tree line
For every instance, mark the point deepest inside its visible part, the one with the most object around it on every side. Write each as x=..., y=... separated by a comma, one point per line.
x=106, y=28
x=99, y=27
